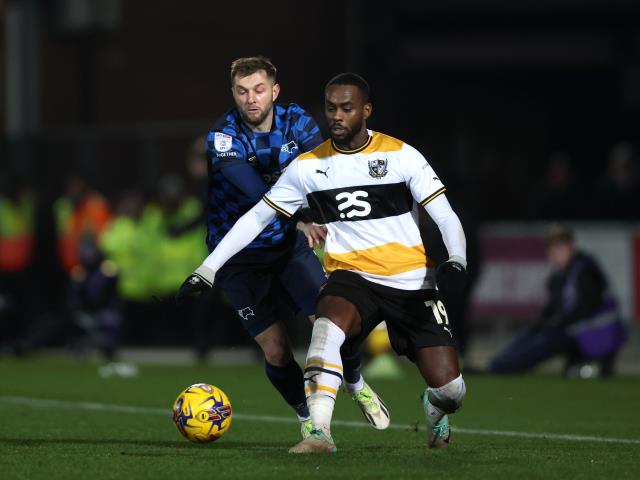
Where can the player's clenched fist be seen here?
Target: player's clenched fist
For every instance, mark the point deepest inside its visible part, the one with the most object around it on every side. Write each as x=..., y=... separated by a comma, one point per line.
x=196, y=284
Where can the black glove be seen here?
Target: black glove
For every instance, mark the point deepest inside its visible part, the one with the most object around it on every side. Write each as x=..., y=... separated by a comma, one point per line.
x=451, y=277
x=196, y=284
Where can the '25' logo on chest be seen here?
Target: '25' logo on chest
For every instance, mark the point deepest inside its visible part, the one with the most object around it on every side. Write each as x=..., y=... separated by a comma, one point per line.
x=353, y=201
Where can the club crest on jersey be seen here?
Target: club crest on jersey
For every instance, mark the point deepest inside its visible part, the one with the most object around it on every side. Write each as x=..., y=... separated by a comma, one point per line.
x=222, y=142
x=378, y=167
x=289, y=147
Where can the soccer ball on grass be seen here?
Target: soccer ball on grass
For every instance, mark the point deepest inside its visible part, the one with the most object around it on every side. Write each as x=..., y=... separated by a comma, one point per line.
x=202, y=413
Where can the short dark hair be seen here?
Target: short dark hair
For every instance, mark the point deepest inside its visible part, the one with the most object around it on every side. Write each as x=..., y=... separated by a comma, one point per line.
x=350, y=78
x=558, y=233
x=246, y=66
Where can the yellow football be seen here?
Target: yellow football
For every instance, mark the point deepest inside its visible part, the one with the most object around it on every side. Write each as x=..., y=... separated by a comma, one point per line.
x=202, y=413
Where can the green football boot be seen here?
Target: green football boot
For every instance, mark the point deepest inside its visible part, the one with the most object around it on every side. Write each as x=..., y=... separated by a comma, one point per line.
x=373, y=408
x=305, y=428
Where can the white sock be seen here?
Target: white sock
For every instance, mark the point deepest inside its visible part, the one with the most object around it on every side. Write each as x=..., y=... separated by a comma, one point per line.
x=321, y=409
x=354, y=387
x=323, y=372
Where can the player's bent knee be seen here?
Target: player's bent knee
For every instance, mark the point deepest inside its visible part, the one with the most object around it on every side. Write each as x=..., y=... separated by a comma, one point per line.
x=276, y=352
x=449, y=397
x=324, y=332
x=277, y=358
x=342, y=313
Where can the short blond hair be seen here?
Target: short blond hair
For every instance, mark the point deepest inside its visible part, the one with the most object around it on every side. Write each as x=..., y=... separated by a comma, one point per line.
x=245, y=66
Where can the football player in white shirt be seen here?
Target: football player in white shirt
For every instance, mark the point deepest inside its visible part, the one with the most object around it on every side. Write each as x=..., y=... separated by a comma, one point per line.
x=366, y=188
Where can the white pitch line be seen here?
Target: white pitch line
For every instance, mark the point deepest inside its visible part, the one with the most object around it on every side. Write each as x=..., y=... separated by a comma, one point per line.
x=105, y=407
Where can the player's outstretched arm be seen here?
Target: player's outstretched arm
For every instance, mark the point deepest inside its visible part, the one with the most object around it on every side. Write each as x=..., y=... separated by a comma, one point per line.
x=243, y=232
x=451, y=276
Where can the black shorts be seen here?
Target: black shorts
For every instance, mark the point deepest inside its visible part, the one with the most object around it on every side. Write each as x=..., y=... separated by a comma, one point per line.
x=415, y=318
x=257, y=280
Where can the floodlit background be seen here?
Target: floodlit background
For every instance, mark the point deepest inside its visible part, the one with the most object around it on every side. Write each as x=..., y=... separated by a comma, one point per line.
x=528, y=110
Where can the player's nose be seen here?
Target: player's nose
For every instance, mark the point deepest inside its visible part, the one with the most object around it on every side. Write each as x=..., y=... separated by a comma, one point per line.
x=337, y=117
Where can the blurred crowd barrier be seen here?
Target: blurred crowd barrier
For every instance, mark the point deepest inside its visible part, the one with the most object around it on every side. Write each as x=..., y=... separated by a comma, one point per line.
x=512, y=281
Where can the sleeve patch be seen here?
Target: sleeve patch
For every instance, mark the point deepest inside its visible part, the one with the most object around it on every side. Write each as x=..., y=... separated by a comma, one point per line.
x=222, y=142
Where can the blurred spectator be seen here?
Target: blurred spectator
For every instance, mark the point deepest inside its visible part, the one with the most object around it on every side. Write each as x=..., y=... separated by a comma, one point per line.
x=94, y=305
x=80, y=212
x=177, y=251
x=151, y=260
x=559, y=196
x=130, y=243
x=91, y=319
x=125, y=243
x=153, y=253
x=197, y=168
x=81, y=215
x=17, y=227
x=618, y=194
x=89, y=316
x=581, y=319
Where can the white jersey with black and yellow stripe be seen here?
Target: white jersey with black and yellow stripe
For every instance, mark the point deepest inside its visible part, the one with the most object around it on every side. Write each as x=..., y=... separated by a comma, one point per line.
x=368, y=200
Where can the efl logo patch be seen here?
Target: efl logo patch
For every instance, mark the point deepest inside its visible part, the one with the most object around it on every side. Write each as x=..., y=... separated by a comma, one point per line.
x=222, y=142
x=378, y=167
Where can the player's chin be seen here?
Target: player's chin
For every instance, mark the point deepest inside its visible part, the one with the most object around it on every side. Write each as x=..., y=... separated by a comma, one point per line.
x=254, y=118
x=339, y=135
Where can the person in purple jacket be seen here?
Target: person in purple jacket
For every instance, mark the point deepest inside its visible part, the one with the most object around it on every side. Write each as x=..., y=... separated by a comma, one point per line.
x=580, y=321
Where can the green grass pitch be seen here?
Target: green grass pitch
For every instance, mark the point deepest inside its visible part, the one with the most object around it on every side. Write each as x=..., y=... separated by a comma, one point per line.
x=61, y=420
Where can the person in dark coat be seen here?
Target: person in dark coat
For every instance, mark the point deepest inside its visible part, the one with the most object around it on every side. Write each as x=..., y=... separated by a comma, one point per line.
x=580, y=321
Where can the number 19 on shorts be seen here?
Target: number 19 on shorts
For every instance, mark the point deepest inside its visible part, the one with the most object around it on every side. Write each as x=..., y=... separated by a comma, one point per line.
x=438, y=311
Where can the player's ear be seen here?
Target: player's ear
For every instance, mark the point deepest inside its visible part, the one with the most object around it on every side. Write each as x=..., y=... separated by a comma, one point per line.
x=276, y=91
x=368, y=110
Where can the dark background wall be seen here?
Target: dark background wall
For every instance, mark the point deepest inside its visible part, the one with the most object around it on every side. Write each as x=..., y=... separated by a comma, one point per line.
x=487, y=89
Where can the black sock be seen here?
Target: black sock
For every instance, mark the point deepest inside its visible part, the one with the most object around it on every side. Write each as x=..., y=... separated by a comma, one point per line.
x=289, y=381
x=350, y=365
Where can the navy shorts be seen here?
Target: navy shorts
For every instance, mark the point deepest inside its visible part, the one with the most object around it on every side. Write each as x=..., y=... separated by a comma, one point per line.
x=256, y=280
x=415, y=318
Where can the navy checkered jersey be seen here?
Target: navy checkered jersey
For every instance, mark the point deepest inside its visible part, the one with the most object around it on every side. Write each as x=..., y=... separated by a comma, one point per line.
x=243, y=165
